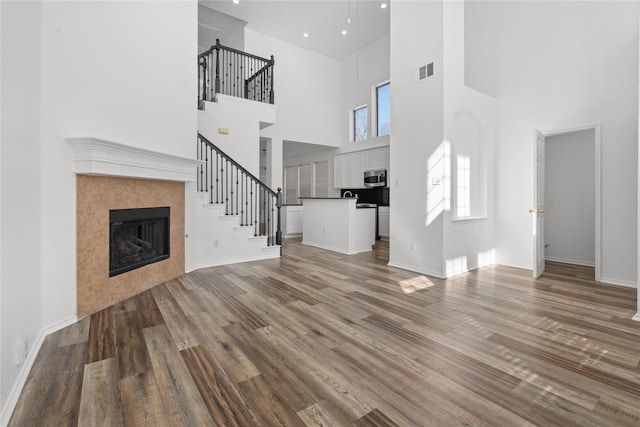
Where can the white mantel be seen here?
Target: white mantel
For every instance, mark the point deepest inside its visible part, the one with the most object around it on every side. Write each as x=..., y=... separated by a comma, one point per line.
x=94, y=156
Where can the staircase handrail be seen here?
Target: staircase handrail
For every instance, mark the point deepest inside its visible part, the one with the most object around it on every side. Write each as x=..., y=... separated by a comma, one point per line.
x=219, y=46
x=238, y=165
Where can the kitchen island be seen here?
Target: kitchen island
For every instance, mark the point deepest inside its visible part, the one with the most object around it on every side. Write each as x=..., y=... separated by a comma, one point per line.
x=337, y=224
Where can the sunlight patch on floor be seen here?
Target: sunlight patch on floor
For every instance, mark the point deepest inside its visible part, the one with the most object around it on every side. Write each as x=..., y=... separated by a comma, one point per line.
x=415, y=284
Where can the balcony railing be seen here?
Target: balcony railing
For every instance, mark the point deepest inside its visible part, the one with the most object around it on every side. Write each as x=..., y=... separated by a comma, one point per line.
x=232, y=72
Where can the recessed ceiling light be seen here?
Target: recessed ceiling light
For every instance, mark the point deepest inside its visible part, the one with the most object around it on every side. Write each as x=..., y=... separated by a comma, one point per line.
x=305, y=35
x=344, y=32
x=382, y=6
x=236, y=1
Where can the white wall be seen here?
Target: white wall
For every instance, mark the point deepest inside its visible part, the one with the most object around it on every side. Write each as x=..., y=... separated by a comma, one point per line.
x=307, y=95
x=372, y=69
x=231, y=29
x=552, y=66
x=242, y=118
x=570, y=197
x=416, y=141
x=20, y=185
x=360, y=73
x=469, y=122
x=121, y=71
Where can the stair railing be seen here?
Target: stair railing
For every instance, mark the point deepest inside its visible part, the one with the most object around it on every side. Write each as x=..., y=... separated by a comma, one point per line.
x=243, y=194
x=232, y=72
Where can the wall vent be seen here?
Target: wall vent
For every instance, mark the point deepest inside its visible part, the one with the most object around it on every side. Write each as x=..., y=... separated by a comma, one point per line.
x=426, y=71
x=422, y=73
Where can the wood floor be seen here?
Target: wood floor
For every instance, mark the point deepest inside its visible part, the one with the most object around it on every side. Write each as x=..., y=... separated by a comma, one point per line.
x=321, y=339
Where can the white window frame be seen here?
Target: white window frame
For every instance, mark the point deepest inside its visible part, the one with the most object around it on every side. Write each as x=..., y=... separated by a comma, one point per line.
x=374, y=103
x=352, y=120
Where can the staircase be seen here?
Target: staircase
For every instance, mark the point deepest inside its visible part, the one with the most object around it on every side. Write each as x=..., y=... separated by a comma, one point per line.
x=237, y=217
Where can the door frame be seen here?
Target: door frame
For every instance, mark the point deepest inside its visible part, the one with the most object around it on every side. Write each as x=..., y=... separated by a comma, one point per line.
x=597, y=128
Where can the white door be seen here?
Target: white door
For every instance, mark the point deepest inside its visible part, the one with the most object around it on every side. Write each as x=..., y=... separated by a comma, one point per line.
x=538, y=211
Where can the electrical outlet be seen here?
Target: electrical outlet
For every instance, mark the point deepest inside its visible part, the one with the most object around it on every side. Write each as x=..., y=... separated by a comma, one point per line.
x=435, y=181
x=21, y=352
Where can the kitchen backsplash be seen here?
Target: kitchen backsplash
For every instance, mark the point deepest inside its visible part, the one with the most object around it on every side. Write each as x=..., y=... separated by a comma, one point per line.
x=379, y=196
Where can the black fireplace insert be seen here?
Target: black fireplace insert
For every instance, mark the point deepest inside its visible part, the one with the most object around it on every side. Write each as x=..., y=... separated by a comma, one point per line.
x=137, y=237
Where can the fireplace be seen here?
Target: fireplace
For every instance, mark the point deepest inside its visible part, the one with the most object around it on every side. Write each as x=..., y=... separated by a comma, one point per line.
x=137, y=237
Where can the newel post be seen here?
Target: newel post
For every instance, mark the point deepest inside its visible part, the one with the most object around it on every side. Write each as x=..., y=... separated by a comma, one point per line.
x=279, y=230
x=203, y=65
x=271, y=95
x=217, y=81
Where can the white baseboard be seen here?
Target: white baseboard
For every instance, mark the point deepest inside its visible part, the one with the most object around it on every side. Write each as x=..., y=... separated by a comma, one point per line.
x=636, y=317
x=617, y=282
x=266, y=256
x=18, y=385
x=570, y=261
x=459, y=271
x=431, y=273
x=514, y=265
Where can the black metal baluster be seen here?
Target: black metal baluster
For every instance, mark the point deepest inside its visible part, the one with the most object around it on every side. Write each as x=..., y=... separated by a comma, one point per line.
x=209, y=167
x=246, y=200
x=230, y=188
x=199, y=154
x=222, y=172
x=226, y=188
x=271, y=232
x=267, y=230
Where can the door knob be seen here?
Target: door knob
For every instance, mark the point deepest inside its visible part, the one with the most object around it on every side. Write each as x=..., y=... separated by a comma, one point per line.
x=536, y=211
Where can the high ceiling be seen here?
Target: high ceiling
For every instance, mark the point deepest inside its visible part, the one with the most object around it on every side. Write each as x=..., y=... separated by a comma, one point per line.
x=322, y=20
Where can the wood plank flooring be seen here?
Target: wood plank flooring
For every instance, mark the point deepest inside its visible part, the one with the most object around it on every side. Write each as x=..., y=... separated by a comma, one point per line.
x=321, y=339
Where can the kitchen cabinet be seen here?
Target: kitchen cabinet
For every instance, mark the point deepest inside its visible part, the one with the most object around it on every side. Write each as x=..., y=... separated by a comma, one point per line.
x=291, y=220
x=336, y=224
x=348, y=169
x=383, y=221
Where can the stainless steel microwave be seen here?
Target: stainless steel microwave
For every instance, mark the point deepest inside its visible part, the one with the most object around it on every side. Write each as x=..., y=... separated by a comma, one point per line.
x=375, y=178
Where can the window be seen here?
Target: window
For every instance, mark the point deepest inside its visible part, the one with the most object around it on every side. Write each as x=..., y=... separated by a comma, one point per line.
x=321, y=182
x=464, y=187
x=360, y=123
x=383, y=109
x=471, y=178
x=291, y=185
x=304, y=181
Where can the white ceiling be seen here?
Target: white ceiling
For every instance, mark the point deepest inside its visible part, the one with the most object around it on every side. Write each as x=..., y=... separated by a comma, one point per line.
x=323, y=20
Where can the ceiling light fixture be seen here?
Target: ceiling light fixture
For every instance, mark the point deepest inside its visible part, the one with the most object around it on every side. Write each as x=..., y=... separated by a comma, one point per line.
x=305, y=35
x=236, y=1
x=382, y=6
x=344, y=32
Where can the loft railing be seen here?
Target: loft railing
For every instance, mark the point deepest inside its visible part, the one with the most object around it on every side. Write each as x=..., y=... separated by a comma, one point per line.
x=242, y=193
x=232, y=72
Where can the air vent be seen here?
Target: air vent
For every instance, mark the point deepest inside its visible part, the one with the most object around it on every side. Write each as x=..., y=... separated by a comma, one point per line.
x=422, y=73
x=426, y=71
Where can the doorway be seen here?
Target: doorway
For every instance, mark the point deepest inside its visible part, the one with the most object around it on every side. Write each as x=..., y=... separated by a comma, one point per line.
x=567, y=198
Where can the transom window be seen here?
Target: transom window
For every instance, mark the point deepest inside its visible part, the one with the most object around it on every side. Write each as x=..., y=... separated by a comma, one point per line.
x=383, y=109
x=360, y=123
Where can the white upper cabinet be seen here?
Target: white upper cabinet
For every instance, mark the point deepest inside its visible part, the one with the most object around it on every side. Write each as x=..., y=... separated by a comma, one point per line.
x=348, y=169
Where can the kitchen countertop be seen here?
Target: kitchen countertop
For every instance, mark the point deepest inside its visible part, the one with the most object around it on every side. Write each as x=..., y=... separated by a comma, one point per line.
x=328, y=198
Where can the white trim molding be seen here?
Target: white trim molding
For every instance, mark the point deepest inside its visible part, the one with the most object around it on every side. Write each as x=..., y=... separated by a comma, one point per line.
x=636, y=317
x=93, y=156
x=18, y=385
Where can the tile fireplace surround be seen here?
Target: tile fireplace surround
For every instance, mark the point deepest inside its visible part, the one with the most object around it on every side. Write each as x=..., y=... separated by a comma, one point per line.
x=95, y=196
x=116, y=176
